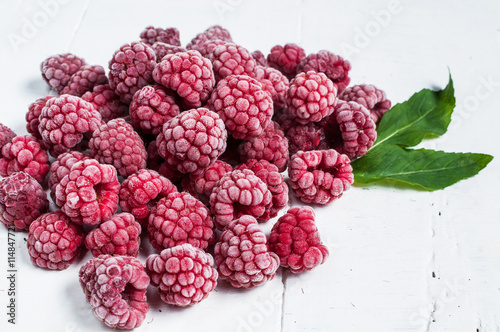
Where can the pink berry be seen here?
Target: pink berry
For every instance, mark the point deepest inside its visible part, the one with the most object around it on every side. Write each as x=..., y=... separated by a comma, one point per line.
x=243, y=105
x=370, y=97
x=206, y=48
x=213, y=32
x=305, y=137
x=84, y=80
x=6, y=135
x=22, y=200
x=180, y=218
x=61, y=167
x=183, y=274
x=89, y=193
x=238, y=193
x=295, y=239
x=115, y=287
x=117, y=143
x=242, y=257
x=311, y=96
x=260, y=58
x=32, y=117
x=117, y=236
x=57, y=69
x=231, y=59
x=140, y=192
x=319, y=176
x=106, y=102
x=286, y=58
x=54, y=241
x=275, y=83
x=151, y=35
x=162, y=49
x=130, y=69
x=187, y=73
x=24, y=154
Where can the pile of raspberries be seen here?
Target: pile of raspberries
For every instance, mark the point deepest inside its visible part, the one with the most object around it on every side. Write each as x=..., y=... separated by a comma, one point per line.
x=194, y=146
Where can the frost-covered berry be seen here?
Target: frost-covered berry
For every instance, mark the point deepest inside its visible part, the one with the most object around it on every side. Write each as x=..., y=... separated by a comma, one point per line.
x=238, y=193
x=32, y=117
x=120, y=235
x=286, y=58
x=243, y=105
x=374, y=99
x=206, y=48
x=311, y=97
x=57, y=69
x=64, y=121
x=162, y=49
x=6, y=135
x=180, y=218
x=151, y=107
x=89, y=193
x=151, y=35
x=211, y=33
x=24, y=154
x=106, y=102
x=22, y=200
x=231, y=59
x=84, y=80
x=117, y=143
x=54, y=241
x=187, y=73
x=115, y=287
x=61, y=167
x=275, y=83
x=319, y=176
x=183, y=274
x=192, y=140
x=242, y=257
x=140, y=192
x=131, y=68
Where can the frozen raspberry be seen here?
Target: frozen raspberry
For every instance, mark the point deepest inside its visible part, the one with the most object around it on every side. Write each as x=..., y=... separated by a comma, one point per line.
x=238, y=193
x=6, y=135
x=64, y=121
x=213, y=32
x=286, y=58
x=260, y=58
x=61, y=167
x=183, y=274
x=57, y=69
x=271, y=176
x=32, y=116
x=180, y=218
x=201, y=185
x=350, y=129
x=242, y=256
x=334, y=66
x=84, y=80
x=271, y=145
x=162, y=49
x=275, y=83
x=370, y=97
x=192, y=140
x=140, y=192
x=151, y=107
x=22, y=200
x=117, y=143
x=54, y=241
x=106, y=102
x=89, y=193
x=115, y=287
x=243, y=105
x=305, y=137
x=311, y=96
x=117, y=236
x=151, y=35
x=187, y=73
x=131, y=68
x=319, y=176
x=231, y=59
x=295, y=239
x=206, y=48
x=24, y=154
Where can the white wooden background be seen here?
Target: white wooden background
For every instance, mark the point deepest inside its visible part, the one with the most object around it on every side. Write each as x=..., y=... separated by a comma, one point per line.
x=401, y=260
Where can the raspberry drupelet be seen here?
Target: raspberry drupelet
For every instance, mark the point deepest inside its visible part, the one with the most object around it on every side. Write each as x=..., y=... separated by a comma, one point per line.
x=54, y=242
x=22, y=200
x=187, y=73
x=57, y=69
x=243, y=105
x=106, y=102
x=84, y=80
x=162, y=49
x=286, y=58
x=231, y=59
x=61, y=167
x=140, y=192
x=117, y=236
x=151, y=35
x=117, y=143
x=183, y=274
x=295, y=239
x=65, y=120
x=115, y=287
x=319, y=176
x=180, y=218
x=374, y=99
x=238, y=193
x=89, y=193
x=32, y=117
x=192, y=140
x=130, y=69
x=24, y=154
x=242, y=256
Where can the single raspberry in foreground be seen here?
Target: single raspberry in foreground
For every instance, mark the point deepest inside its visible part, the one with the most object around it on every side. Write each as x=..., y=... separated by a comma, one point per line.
x=57, y=69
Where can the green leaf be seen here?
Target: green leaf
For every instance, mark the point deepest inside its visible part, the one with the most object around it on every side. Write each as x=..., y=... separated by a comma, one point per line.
x=426, y=113
x=429, y=169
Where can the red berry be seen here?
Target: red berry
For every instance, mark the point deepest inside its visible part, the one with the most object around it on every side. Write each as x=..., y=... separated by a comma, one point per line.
x=370, y=97
x=6, y=135
x=275, y=83
x=151, y=35
x=61, y=167
x=286, y=58
x=84, y=80
x=106, y=102
x=213, y=32
x=231, y=59
x=162, y=49
x=57, y=69
x=32, y=117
